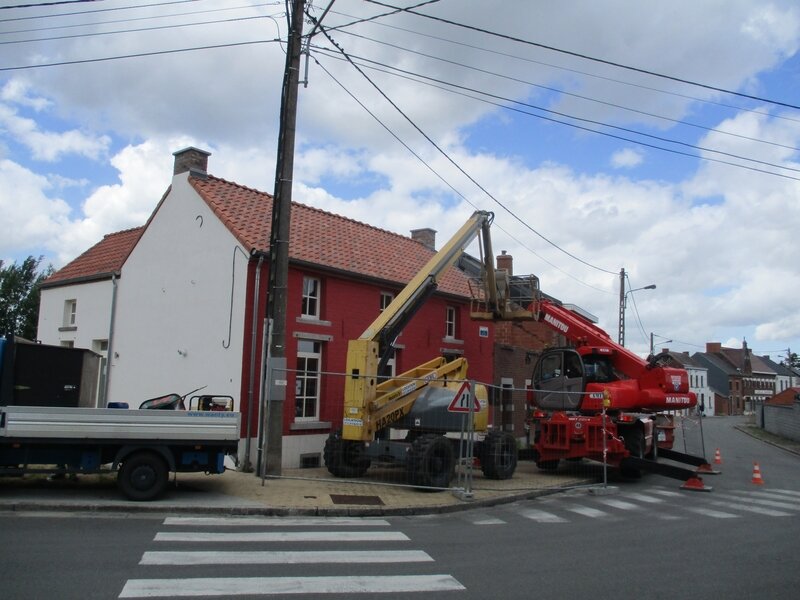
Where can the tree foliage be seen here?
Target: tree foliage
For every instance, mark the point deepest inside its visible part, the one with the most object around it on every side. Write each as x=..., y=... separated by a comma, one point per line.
x=19, y=297
x=792, y=360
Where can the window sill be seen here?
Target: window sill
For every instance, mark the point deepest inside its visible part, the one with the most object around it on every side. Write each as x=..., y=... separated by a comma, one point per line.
x=450, y=340
x=313, y=321
x=309, y=425
x=68, y=328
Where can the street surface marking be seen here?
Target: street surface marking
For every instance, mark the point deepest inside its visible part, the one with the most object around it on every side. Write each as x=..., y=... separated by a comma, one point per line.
x=667, y=493
x=542, y=516
x=282, y=536
x=643, y=498
x=489, y=521
x=284, y=558
x=621, y=504
x=774, y=504
x=587, y=511
x=708, y=512
x=788, y=492
x=755, y=509
x=276, y=521
x=265, y=586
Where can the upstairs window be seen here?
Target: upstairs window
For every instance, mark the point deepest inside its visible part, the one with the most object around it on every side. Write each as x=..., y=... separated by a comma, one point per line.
x=386, y=300
x=450, y=323
x=70, y=312
x=311, y=298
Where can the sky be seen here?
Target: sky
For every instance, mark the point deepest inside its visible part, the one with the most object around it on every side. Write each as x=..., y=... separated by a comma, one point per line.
x=661, y=138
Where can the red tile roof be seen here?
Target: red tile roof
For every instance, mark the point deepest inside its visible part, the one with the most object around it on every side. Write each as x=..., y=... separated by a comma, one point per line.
x=100, y=261
x=322, y=238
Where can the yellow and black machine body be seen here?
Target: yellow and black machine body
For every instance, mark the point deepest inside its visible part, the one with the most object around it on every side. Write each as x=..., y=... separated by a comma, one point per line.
x=414, y=405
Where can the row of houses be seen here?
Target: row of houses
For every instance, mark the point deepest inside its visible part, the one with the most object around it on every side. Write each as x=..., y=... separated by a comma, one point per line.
x=180, y=303
x=734, y=381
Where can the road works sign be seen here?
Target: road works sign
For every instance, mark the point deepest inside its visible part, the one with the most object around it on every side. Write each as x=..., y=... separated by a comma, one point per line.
x=462, y=399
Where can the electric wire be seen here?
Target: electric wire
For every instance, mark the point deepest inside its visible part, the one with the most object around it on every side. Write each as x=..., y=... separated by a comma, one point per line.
x=43, y=4
x=134, y=19
x=410, y=10
x=578, y=71
x=442, y=179
x=591, y=130
x=454, y=163
x=96, y=10
x=567, y=93
x=139, y=55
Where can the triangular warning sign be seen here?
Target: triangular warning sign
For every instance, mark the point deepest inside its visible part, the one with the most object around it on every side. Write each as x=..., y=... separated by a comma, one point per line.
x=462, y=399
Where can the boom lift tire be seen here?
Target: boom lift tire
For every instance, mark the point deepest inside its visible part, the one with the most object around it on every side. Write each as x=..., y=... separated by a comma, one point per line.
x=498, y=455
x=431, y=461
x=143, y=476
x=344, y=458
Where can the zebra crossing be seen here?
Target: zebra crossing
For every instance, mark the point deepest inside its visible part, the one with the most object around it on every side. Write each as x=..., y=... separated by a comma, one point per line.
x=652, y=502
x=255, y=545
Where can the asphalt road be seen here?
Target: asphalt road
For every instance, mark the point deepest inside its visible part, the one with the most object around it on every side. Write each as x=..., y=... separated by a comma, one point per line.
x=647, y=540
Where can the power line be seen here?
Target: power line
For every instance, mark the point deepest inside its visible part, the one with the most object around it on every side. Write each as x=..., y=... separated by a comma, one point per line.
x=442, y=179
x=97, y=10
x=599, y=123
x=591, y=58
x=135, y=19
x=453, y=162
x=41, y=4
x=576, y=71
x=566, y=93
x=137, y=55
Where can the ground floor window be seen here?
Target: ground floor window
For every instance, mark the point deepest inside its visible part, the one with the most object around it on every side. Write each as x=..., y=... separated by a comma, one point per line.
x=307, y=383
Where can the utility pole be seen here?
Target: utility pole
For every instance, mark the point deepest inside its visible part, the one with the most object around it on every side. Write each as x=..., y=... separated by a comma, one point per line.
x=279, y=248
x=621, y=337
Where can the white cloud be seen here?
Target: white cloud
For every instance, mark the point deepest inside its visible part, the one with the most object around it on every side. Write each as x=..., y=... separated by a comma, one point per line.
x=627, y=158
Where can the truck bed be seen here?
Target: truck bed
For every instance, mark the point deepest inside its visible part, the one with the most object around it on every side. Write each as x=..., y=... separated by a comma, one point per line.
x=33, y=422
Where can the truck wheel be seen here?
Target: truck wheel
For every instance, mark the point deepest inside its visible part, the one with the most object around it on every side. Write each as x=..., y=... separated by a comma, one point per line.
x=344, y=458
x=143, y=476
x=498, y=455
x=431, y=461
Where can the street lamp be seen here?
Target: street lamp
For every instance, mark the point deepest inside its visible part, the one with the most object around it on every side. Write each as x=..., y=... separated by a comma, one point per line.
x=653, y=346
x=623, y=303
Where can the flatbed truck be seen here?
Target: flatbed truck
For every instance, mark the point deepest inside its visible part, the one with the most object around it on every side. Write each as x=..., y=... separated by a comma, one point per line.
x=141, y=446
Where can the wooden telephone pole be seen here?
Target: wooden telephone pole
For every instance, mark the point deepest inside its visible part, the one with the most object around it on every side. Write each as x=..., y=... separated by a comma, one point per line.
x=272, y=409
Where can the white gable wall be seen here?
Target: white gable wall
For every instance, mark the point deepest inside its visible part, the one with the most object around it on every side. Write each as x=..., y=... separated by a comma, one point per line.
x=92, y=317
x=181, y=289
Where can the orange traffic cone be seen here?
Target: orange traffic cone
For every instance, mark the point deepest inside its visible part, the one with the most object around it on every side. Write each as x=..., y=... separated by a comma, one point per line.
x=757, y=474
x=717, y=458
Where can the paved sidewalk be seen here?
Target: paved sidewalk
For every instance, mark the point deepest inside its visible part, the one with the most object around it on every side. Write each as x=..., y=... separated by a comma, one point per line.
x=297, y=492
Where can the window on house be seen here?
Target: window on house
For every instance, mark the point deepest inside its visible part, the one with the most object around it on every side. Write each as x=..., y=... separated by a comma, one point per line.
x=450, y=322
x=307, y=382
x=386, y=300
x=70, y=312
x=311, y=298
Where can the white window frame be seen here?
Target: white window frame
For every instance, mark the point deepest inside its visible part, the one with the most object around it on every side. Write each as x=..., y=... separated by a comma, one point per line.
x=70, y=312
x=450, y=322
x=312, y=298
x=303, y=375
x=386, y=300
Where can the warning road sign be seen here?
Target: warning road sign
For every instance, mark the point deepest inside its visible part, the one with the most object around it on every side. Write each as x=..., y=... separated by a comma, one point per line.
x=462, y=399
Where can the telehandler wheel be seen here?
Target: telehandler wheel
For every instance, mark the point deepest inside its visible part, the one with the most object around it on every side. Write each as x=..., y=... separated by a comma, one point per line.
x=143, y=476
x=431, y=461
x=498, y=455
x=344, y=458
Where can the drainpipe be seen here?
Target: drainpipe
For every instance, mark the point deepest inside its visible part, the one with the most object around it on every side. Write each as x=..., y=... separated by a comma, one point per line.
x=110, y=350
x=254, y=330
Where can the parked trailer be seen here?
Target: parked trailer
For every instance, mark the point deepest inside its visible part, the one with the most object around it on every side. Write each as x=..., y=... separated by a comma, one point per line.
x=142, y=446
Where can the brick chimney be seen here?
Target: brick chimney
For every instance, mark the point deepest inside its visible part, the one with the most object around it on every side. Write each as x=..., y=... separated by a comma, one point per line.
x=713, y=347
x=425, y=236
x=193, y=160
x=505, y=262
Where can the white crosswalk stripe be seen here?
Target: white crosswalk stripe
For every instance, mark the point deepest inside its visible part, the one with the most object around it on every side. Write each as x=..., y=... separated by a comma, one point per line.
x=227, y=587
x=266, y=535
x=764, y=502
x=587, y=511
x=620, y=504
x=754, y=509
x=281, y=536
x=710, y=512
x=283, y=558
x=542, y=516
